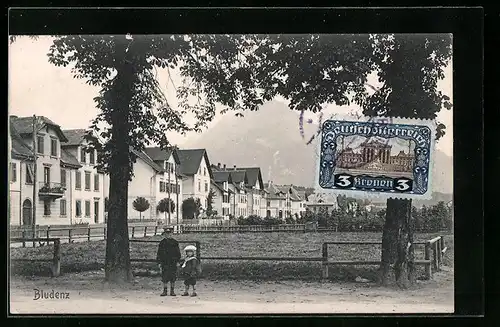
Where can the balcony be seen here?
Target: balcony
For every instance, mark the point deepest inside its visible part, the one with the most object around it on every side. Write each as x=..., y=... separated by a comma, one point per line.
x=51, y=191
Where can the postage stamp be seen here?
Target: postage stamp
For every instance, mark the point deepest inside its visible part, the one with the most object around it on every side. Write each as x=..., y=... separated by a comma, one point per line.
x=376, y=157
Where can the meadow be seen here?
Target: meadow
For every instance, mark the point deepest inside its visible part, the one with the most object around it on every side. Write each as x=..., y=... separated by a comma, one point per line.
x=88, y=256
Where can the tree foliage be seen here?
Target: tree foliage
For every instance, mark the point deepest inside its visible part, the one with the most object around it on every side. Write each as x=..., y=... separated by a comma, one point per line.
x=141, y=204
x=210, y=203
x=166, y=205
x=191, y=208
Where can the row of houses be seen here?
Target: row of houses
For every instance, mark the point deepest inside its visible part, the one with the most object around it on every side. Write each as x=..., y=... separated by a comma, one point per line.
x=69, y=189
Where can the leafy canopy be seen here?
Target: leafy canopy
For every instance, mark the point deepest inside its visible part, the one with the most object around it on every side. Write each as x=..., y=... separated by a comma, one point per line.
x=241, y=72
x=141, y=204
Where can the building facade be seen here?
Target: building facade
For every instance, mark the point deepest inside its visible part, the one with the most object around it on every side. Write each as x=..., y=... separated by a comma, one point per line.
x=195, y=167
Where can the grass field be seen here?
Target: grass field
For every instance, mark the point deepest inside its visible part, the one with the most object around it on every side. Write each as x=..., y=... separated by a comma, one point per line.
x=87, y=256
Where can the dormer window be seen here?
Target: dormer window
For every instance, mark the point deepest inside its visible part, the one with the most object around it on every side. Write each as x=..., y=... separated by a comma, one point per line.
x=83, y=155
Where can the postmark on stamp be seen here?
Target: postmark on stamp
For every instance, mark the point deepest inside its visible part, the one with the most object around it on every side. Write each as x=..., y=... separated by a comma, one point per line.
x=382, y=157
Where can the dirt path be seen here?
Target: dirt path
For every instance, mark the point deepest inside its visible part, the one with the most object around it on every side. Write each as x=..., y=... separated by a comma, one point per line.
x=88, y=294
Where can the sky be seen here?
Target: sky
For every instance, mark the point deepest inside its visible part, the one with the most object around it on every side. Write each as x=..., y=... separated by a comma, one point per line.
x=40, y=88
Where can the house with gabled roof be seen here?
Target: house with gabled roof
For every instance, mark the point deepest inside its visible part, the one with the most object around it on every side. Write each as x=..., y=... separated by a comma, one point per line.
x=195, y=166
x=277, y=201
x=253, y=187
x=86, y=183
x=224, y=200
x=170, y=182
x=52, y=196
x=297, y=202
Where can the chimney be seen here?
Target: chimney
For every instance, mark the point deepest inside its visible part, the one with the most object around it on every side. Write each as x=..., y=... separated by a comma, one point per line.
x=218, y=165
x=234, y=167
x=224, y=166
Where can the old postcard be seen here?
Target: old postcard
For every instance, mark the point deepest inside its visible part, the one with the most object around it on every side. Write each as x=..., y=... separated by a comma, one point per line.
x=225, y=174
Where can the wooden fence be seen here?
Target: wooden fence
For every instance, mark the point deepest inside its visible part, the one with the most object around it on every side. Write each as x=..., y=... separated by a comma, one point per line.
x=431, y=264
x=98, y=232
x=435, y=250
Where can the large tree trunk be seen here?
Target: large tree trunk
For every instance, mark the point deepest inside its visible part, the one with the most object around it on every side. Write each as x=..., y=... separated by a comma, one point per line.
x=397, y=266
x=117, y=265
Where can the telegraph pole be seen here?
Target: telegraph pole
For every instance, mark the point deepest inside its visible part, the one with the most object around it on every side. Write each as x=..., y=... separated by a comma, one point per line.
x=33, y=220
x=177, y=189
x=168, y=190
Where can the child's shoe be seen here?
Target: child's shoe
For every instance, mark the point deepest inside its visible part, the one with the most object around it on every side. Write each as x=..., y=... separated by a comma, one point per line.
x=185, y=294
x=172, y=293
x=194, y=294
x=165, y=293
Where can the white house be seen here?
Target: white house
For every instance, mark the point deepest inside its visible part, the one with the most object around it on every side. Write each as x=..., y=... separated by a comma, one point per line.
x=296, y=204
x=316, y=201
x=223, y=194
x=85, y=184
x=50, y=193
x=195, y=166
x=278, y=203
x=169, y=183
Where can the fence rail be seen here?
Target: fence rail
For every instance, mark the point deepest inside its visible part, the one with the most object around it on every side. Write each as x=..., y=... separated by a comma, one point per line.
x=435, y=250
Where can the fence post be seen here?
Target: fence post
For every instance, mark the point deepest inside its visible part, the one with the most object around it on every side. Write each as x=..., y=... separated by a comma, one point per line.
x=428, y=268
x=69, y=235
x=198, y=252
x=156, y=229
x=23, y=234
x=88, y=234
x=438, y=243
x=48, y=232
x=104, y=232
x=133, y=230
x=145, y=230
x=442, y=248
x=435, y=251
x=325, y=260
x=56, y=261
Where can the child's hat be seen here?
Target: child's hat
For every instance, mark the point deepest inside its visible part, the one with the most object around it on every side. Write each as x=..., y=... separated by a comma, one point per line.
x=190, y=248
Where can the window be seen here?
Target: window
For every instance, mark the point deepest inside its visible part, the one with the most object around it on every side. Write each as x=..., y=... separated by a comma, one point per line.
x=13, y=172
x=46, y=208
x=199, y=186
x=83, y=155
x=78, y=180
x=62, y=207
x=46, y=175
x=87, y=208
x=204, y=171
x=63, y=177
x=92, y=157
x=162, y=186
x=268, y=203
x=87, y=181
x=199, y=171
x=206, y=187
x=29, y=173
x=78, y=208
x=96, y=182
x=53, y=147
x=39, y=145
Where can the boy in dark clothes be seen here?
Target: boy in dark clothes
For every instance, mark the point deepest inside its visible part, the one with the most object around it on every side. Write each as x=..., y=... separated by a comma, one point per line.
x=168, y=257
x=191, y=269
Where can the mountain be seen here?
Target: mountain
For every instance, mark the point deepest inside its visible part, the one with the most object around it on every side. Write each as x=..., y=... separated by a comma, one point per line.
x=270, y=138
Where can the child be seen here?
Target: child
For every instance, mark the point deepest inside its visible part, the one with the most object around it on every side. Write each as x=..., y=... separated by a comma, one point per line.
x=191, y=269
x=168, y=257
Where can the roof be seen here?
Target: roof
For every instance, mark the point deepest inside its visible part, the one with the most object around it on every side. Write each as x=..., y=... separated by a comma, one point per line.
x=238, y=176
x=253, y=174
x=159, y=154
x=274, y=192
x=24, y=125
x=74, y=136
x=19, y=149
x=375, y=143
x=68, y=159
x=190, y=161
x=222, y=176
x=146, y=159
